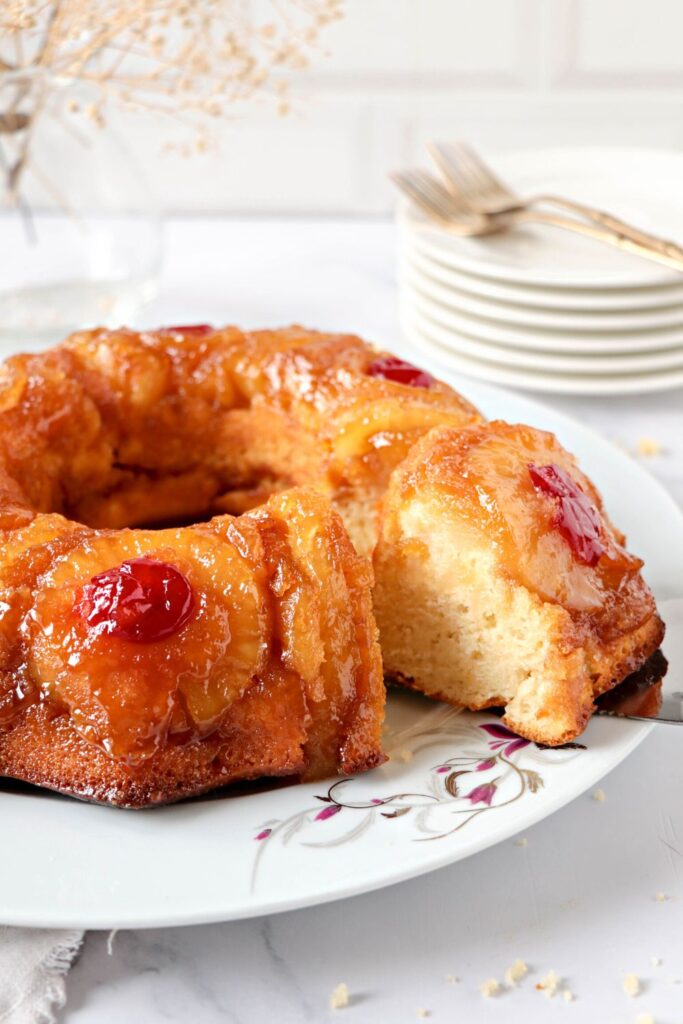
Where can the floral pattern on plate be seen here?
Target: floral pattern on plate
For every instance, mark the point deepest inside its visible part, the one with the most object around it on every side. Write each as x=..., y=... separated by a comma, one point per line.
x=484, y=774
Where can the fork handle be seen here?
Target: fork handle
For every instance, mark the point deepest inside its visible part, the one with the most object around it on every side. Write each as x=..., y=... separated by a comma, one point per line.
x=612, y=223
x=672, y=256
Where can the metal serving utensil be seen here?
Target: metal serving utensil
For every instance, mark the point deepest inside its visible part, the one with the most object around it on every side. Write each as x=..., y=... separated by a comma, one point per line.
x=653, y=694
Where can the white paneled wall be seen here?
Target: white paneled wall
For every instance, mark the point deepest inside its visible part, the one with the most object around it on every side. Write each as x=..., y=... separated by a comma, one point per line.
x=502, y=73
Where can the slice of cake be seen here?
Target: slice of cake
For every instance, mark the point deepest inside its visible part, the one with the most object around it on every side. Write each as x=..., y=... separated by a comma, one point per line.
x=500, y=581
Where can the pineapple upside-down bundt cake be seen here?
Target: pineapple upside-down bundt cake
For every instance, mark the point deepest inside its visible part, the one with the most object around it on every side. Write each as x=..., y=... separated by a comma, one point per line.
x=142, y=660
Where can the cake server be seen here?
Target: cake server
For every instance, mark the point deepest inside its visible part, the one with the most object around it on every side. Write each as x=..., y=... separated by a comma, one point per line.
x=654, y=694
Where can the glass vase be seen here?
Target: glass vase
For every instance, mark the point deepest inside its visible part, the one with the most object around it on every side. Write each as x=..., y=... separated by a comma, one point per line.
x=80, y=226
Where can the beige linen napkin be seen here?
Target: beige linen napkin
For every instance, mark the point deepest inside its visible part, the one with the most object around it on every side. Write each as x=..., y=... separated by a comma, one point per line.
x=34, y=963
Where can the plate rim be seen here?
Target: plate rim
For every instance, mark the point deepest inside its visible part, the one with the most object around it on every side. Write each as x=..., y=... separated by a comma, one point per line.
x=513, y=314
x=577, y=362
x=549, y=297
x=547, y=383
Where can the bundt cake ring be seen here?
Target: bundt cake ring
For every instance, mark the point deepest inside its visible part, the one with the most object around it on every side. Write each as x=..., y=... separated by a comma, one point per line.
x=142, y=660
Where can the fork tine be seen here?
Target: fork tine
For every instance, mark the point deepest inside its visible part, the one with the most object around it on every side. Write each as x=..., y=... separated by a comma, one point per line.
x=489, y=187
x=457, y=204
x=414, y=190
x=427, y=191
x=431, y=187
x=478, y=166
x=437, y=202
x=454, y=174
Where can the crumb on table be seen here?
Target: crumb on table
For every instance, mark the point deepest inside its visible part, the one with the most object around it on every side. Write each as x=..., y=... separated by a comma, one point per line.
x=599, y=796
x=648, y=446
x=516, y=972
x=549, y=984
x=632, y=985
x=340, y=997
x=489, y=988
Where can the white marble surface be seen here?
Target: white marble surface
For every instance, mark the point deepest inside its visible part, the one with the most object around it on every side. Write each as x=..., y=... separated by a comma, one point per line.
x=579, y=898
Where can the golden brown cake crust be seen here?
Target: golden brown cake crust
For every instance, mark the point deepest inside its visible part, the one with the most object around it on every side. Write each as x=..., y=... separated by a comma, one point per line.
x=131, y=428
x=115, y=429
x=302, y=695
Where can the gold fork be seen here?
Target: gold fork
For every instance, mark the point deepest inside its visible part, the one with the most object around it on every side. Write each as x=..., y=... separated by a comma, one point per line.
x=474, y=181
x=457, y=216
x=442, y=205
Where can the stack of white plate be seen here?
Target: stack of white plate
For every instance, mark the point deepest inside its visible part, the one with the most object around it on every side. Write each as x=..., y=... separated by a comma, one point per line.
x=538, y=307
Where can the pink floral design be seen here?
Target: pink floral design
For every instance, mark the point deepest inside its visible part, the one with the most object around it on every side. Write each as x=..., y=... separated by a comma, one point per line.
x=442, y=795
x=483, y=794
x=505, y=740
x=328, y=812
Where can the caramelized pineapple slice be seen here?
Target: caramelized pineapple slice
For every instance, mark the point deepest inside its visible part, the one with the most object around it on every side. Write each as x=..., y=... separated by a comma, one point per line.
x=326, y=627
x=127, y=696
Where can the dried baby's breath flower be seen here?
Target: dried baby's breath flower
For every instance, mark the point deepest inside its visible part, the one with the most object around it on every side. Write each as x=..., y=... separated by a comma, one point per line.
x=187, y=61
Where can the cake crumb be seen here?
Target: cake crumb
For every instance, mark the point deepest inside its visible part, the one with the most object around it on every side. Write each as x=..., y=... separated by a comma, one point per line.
x=645, y=1018
x=648, y=446
x=661, y=897
x=632, y=985
x=656, y=961
x=549, y=984
x=451, y=979
x=405, y=755
x=568, y=996
x=523, y=841
x=340, y=997
x=489, y=988
x=422, y=1013
x=516, y=972
x=599, y=796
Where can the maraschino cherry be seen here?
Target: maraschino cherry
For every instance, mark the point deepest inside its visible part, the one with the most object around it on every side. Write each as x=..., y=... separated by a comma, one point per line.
x=192, y=329
x=576, y=517
x=400, y=371
x=142, y=600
